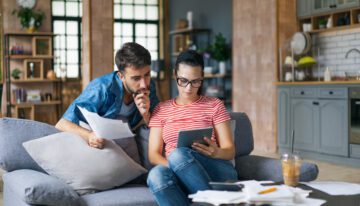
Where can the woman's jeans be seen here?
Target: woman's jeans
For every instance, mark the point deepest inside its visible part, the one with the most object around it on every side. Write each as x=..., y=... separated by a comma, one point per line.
x=188, y=172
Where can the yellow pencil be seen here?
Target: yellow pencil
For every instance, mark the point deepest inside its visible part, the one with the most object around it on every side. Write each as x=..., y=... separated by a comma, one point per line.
x=272, y=189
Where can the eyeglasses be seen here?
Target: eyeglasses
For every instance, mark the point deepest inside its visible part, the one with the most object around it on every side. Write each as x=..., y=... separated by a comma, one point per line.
x=183, y=82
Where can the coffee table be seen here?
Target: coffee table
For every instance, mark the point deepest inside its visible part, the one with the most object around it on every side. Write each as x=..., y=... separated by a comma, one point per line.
x=331, y=200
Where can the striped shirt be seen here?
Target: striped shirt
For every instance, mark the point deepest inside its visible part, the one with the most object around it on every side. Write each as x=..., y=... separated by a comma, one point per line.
x=171, y=117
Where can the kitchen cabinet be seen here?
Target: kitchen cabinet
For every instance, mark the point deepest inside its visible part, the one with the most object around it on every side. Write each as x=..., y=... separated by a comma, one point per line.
x=319, y=117
x=303, y=8
x=323, y=6
x=304, y=122
x=283, y=126
x=333, y=127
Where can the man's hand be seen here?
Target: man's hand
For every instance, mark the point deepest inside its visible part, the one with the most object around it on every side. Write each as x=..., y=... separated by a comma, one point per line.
x=96, y=142
x=142, y=102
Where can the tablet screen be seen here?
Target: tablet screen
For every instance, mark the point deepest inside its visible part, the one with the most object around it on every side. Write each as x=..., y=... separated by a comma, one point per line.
x=187, y=137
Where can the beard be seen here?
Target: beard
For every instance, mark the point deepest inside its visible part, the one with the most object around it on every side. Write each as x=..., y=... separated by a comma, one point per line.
x=133, y=91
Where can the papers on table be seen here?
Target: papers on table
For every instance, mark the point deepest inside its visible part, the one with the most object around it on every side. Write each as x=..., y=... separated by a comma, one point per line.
x=282, y=195
x=335, y=188
x=218, y=197
x=106, y=128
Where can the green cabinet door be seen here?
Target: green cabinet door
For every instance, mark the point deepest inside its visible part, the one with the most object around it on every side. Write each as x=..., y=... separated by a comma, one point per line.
x=305, y=122
x=333, y=137
x=283, y=121
x=303, y=8
x=324, y=6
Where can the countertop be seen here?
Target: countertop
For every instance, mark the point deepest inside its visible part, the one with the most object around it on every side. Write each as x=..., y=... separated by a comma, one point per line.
x=352, y=82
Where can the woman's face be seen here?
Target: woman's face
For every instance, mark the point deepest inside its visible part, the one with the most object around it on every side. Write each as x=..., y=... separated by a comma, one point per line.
x=189, y=79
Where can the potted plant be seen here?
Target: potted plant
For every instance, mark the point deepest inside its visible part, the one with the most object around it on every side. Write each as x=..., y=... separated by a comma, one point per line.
x=220, y=51
x=16, y=73
x=322, y=23
x=29, y=19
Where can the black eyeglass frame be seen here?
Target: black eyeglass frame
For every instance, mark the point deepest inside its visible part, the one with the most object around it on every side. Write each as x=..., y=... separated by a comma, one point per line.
x=189, y=82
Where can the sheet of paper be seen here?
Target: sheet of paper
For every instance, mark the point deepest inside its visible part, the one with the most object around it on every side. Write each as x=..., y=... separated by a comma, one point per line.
x=106, y=128
x=335, y=188
x=218, y=197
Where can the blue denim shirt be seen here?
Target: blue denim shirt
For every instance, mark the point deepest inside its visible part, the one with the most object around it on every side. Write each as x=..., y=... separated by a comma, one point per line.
x=104, y=95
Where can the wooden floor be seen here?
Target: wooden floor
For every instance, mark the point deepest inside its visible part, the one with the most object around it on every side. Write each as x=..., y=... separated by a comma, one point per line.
x=328, y=172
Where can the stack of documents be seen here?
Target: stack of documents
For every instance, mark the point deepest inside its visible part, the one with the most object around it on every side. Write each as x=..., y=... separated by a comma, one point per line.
x=254, y=192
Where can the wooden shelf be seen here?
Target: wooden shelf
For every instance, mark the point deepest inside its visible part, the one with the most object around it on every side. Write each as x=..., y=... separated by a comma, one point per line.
x=188, y=31
x=347, y=17
x=34, y=80
x=30, y=34
x=43, y=103
x=28, y=57
x=317, y=83
x=208, y=76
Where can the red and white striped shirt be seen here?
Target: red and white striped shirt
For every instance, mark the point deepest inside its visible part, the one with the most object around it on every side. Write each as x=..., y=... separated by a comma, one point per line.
x=171, y=117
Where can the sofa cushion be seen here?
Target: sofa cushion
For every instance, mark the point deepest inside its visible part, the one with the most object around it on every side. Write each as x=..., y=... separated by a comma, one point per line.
x=128, y=195
x=68, y=157
x=13, y=133
x=142, y=141
x=38, y=188
x=243, y=135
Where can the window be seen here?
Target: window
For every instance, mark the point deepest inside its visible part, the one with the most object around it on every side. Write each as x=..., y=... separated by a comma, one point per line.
x=66, y=24
x=137, y=21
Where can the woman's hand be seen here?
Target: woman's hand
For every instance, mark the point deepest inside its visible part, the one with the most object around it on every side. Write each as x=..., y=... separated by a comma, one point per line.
x=212, y=150
x=96, y=142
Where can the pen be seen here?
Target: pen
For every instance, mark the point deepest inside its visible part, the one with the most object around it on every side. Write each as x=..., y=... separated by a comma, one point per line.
x=272, y=189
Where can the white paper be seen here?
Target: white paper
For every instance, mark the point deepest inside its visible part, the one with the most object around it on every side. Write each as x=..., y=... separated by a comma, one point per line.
x=335, y=188
x=218, y=197
x=106, y=128
x=283, y=196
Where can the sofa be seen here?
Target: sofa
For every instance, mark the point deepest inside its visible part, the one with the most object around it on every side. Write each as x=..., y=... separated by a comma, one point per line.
x=24, y=179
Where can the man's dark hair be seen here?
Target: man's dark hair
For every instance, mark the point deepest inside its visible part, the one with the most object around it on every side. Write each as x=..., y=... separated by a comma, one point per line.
x=132, y=54
x=191, y=58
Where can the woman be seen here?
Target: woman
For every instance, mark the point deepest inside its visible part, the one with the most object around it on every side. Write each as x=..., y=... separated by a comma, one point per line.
x=184, y=170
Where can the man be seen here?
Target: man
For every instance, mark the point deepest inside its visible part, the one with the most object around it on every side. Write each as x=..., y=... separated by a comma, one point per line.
x=126, y=94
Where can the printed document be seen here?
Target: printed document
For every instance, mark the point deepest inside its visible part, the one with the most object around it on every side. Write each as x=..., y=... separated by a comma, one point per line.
x=106, y=128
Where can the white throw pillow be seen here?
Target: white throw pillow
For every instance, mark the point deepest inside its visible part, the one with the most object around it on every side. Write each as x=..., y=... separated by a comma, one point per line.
x=69, y=158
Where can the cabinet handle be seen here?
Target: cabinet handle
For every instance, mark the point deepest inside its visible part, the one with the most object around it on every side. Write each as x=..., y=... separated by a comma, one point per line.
x=315, y=103
x=332, y=6
x=302, y=92
x=331, y=92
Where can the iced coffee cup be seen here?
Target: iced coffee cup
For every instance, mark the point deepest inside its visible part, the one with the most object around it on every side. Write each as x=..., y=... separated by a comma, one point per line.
x=291, y=164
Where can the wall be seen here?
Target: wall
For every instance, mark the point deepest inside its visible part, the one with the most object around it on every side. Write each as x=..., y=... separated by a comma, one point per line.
x=98, y=57
x=333, y=47
x=258, y=28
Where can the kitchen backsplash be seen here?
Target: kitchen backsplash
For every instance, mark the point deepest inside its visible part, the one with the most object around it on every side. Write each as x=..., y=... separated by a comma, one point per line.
x=332, y=47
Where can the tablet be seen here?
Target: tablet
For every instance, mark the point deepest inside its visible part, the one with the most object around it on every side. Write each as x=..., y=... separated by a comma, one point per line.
x=188, y=137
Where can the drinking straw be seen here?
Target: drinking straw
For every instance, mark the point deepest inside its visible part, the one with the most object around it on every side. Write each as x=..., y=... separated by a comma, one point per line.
x=292, y=141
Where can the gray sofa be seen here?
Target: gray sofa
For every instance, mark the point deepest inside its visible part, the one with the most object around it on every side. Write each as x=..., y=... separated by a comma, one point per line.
x=24, y=178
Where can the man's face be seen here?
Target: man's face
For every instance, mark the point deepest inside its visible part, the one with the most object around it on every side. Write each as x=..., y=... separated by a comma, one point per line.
x=136, y=80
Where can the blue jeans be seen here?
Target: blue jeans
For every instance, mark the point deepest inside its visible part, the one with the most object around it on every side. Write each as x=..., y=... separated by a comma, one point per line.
x=188, y=172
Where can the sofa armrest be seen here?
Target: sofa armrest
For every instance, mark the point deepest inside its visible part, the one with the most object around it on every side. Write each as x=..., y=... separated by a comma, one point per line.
x=252, y=167
x=34, y=187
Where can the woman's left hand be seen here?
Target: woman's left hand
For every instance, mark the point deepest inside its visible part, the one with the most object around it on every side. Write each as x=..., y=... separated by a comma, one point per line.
x=211, y=150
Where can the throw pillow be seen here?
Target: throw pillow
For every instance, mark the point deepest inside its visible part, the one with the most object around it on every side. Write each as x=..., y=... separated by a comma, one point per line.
x=13, y=133
x=40, y=189
x=86, y=169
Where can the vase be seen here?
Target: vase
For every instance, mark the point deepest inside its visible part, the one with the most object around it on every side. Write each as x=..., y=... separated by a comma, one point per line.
x=30, y=29
x=222, y=67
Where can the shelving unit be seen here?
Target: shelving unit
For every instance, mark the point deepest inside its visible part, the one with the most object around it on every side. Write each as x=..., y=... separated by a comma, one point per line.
x=189, y=38
x=32, y=96
x=348, y=18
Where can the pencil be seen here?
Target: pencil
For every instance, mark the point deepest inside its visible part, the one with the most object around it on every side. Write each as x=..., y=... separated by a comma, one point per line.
x=272, y=189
